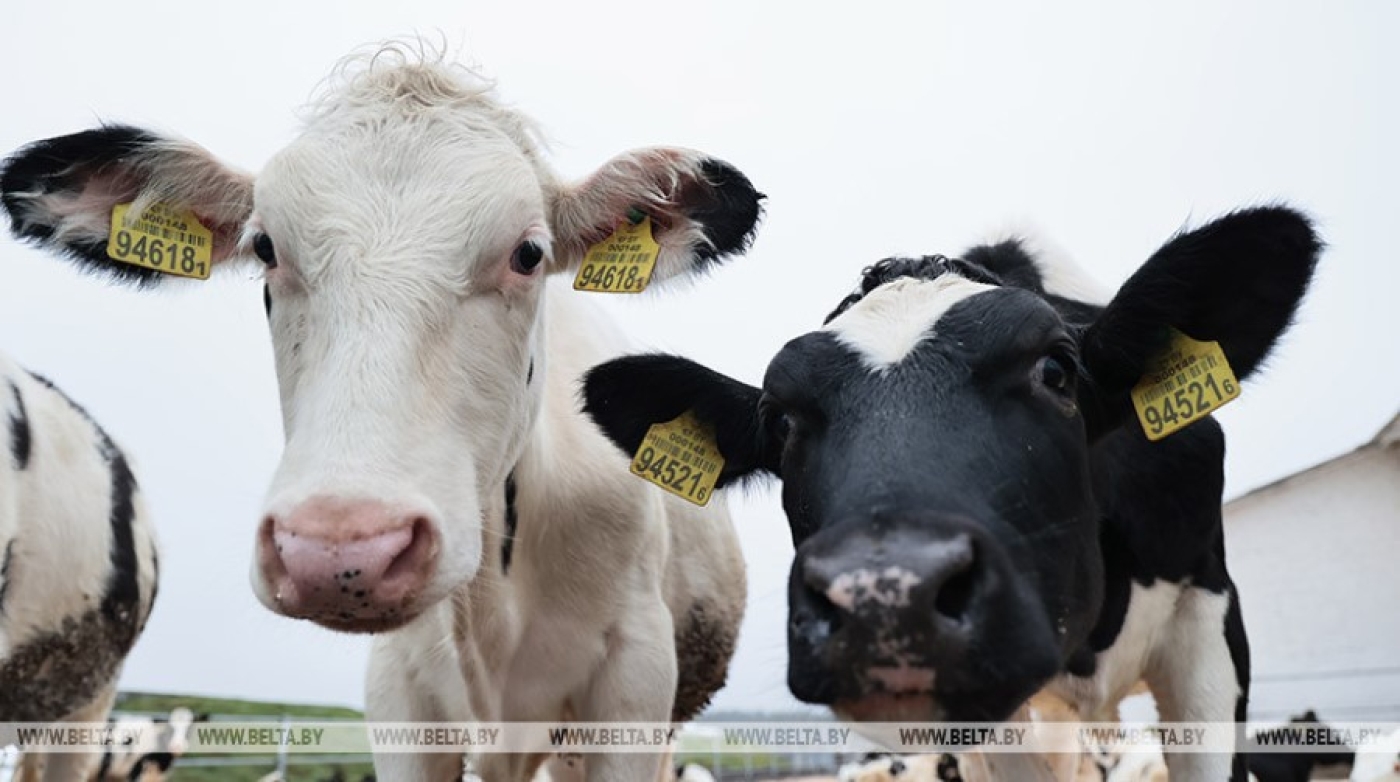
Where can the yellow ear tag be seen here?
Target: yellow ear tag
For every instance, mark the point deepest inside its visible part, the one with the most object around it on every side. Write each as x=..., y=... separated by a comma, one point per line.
x=1187, y=382
x=621, y=263
x=161, y=239
x=681, y=457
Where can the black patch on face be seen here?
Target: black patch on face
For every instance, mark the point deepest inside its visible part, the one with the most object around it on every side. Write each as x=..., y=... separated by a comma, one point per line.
x=5, y=573
x=62, y=164
x=19, y=430
x=121, y=602
x=267, y=300
x=512, y=521
x=728, y=209
x=530, y=373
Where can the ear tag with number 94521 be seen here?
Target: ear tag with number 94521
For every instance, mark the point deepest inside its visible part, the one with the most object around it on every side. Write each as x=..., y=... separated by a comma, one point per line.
x=623, y=262
x=681, y=457
x=1184, y=384
x=162, y=239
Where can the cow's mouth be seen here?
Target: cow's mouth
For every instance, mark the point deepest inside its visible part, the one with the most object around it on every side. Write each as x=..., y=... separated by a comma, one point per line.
x=889, y=707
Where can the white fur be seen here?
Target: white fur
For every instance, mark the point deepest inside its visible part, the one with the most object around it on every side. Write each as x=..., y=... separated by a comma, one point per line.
x=1174, y=638
x=885, y=326
x=590, y=597
x=1379, y=762
x=1059, y=272
x=55, y=518
x=403, y=340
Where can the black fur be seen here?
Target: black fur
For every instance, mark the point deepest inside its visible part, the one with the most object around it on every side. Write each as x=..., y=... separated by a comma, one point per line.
x=624, y=409
x=728, y=209
x=64, y=164
x=1237, y=281
x=5, y=572
x=19, y=431
x=512, y=521
x=1145, y=512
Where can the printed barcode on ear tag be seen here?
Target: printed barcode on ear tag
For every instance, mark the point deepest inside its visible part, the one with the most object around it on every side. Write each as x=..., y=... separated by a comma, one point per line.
x=681, y=457
x=162, y=239
x=1187, y=382
x=621, y=263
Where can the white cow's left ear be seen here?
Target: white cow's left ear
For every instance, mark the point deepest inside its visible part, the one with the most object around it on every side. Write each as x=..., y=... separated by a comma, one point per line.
x=702, y=210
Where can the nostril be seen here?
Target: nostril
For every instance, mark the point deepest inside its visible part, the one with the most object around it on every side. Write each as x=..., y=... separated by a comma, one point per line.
x=959, y=587
x=413, y=558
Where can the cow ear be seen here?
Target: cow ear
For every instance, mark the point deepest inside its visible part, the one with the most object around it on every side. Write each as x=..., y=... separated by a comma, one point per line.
x=60, y=193
x=702, y=210
x=1236, y=281
x=626, y=396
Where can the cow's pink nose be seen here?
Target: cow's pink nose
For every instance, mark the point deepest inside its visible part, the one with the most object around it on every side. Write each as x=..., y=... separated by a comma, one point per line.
x=350, y=565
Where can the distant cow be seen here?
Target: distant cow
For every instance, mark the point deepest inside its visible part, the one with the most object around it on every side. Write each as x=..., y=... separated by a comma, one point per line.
x=439, y=484
x=976, y=509
x=77, y=564
x=151, y=756
x=1296, y=766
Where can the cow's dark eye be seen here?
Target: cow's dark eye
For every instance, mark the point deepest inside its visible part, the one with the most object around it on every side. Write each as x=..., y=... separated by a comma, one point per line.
x=526, y=258
x=1056, y=374
x=262, y=247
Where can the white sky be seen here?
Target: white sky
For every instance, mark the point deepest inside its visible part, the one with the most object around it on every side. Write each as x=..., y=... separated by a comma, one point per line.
x=878, y=129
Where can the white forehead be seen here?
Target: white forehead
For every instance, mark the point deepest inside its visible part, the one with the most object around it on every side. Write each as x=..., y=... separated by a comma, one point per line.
x=885, y=326
x=401, y=150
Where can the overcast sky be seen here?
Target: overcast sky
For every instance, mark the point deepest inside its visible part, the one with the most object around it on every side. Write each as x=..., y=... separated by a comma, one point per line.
x=877, y=130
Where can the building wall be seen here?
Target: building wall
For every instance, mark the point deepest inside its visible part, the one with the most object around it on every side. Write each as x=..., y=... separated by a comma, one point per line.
x=1316, y=558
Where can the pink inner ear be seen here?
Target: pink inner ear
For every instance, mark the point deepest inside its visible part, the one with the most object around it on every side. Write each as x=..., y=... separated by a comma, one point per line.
x=656, y=181
x=95, y=202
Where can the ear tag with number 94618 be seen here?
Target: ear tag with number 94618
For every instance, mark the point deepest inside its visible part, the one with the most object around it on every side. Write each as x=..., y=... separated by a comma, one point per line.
x=162, y=239
x=1184, y=384
x=623, y=262
x=681, y=457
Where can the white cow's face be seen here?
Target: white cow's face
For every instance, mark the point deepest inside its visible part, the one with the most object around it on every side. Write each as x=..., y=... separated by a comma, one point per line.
x=404, y=288
x=405, y=235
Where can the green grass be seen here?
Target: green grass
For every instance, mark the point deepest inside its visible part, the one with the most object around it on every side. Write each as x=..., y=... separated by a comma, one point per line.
x=164, y=702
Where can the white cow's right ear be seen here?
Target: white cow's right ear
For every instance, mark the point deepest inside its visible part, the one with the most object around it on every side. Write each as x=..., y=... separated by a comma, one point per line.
x=60, y=193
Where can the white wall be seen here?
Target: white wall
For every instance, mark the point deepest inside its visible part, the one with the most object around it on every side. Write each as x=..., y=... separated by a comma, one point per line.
x=1317, y=561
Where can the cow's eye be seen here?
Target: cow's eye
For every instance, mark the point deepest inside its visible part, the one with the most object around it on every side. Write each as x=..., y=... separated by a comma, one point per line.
x=526, y=258
x=1055, y=374
x=262, y=247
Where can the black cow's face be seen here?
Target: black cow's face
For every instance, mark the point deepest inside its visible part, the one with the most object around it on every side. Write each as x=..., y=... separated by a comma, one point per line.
x=932, y=455
x=933, y=440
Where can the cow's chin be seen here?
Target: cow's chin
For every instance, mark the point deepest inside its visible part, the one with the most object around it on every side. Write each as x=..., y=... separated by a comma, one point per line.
x=367, y=626
x=889, y=707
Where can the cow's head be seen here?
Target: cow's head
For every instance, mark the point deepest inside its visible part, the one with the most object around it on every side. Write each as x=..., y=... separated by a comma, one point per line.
x=933, y=440
x=405, y=236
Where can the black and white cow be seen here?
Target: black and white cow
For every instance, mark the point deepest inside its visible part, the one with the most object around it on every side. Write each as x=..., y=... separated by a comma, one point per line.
x=77, y=564
x=440, y=485
x=977, y=512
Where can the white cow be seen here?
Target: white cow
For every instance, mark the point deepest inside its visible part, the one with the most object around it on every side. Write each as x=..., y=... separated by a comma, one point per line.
x=77, y=564
x=439, y=485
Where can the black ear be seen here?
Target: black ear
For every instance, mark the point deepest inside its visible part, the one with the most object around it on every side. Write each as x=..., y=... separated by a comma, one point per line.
x=626, y=396
x=59, y=193
x=1236, y=281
